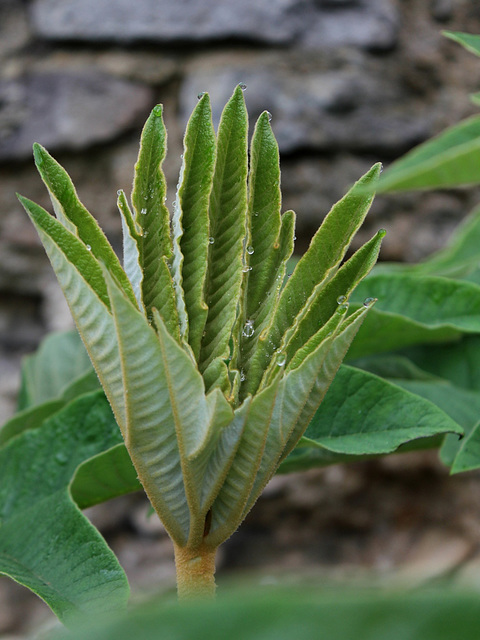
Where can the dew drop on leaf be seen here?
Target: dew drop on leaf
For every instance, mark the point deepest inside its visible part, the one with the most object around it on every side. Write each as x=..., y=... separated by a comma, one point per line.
x=246, y=268
x=343, y=308
x=269, y=116
x=200, y=95
x=158, y=110
x=89, y=248
x=211, y=240
x=119, y=192
x=368, y=302
x=341, y=299
x=250, y=250
x=281, y=359
x=242, y=376
x=143, y=212
x=242, y=86
x=248, y=329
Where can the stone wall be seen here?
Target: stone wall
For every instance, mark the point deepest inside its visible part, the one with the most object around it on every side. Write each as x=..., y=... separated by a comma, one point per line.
x=348, y=82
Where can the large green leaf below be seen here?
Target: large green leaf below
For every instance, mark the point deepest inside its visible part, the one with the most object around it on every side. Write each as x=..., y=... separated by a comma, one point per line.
x=300, y=613
x=362, y=414
x=46, y=544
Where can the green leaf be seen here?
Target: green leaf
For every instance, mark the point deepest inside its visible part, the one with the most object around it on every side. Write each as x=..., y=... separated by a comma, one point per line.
x=451, y=159
x=269, y=243
x=455, y=361
x=413, y=309
x=131, y=250
x=168, y=418
x=191, y=217
x=299, y=395
x=62, y=557
x=324, y=302
x=468, y=456
x=83, y=284
x=470, y=41
x=300, y=612
x=60, y=359
x=363, y=414
x=256, y=415
x=152, y=216
x=227, y=215
x=107, y=475
x=30, y=418
x=68, y=207
x=317, y=265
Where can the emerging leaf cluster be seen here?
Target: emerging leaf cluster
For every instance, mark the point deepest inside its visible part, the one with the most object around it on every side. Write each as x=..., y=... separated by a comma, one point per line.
x=212, y=367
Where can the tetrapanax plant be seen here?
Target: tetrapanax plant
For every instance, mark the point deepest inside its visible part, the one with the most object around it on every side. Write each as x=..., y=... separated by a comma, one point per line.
x=212, y=365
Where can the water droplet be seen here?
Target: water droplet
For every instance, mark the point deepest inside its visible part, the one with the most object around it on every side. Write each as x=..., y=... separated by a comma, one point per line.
x=341, y=299
x=119, y=192
x=248, y=329
x=256, y=214
x=201, y=94
x=250, y=250
x=145, y=197
x=242, y=376
x=242, y=86
x=211, y=240
x=281, y=359
x=143, y=212
x=342, y=308
x=269, y=116
x=89, y=248
x=61, y=457
x=145, y=233
x=181, y=156
x=368, y=302
x=294, y=238
x=158, y=110
x=246, y=268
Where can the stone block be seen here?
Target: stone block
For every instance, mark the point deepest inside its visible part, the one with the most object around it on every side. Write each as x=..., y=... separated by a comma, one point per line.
x=67, y=110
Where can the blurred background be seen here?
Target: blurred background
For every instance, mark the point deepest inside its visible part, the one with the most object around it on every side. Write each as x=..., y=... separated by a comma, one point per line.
x=348, y=83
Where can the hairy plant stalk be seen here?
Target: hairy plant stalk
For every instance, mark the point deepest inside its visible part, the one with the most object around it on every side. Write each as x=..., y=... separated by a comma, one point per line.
x=195, y=572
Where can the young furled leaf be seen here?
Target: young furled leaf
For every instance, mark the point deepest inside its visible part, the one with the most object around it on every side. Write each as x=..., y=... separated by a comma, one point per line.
x=213, y=370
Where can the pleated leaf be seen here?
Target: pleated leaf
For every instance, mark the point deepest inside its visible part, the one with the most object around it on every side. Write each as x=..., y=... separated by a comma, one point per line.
x=81, y=279
x=269, y=241
x=152, y=216
x=192, y=237
x=227, y=215
x=65, y=199
x=323, y=303
x=317, y=265
x=300, y=394
x=228, y=507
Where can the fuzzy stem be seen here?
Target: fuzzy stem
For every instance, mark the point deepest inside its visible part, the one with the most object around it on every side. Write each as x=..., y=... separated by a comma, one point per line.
x=195, y=572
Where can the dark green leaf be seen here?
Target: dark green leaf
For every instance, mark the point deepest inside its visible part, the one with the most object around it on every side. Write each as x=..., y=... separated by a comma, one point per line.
x=45, y=542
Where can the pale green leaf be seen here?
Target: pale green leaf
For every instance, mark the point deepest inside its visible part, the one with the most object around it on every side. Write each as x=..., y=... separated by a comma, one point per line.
x=131, y=251
x=64, y=198
x=468, y=457
x=83, y=284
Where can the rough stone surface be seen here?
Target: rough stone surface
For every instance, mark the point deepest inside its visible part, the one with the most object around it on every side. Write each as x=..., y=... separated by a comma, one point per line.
x=345, y=108
x=275, y=22
x=66, y=111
